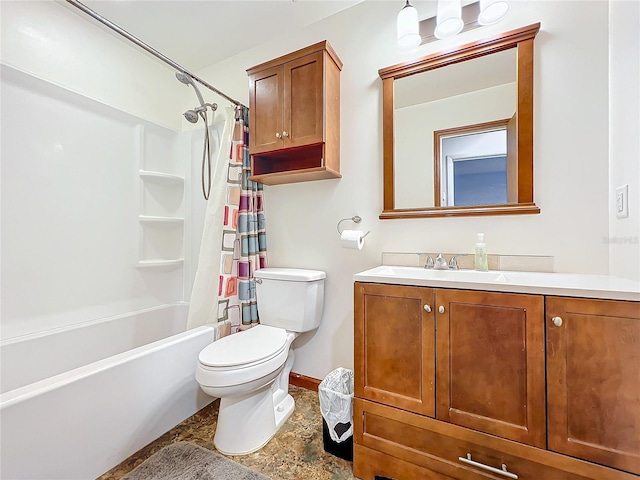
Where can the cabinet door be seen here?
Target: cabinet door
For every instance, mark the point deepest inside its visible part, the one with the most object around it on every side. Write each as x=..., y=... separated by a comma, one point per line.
x=304, y=101
x=266, y=95
x=394, y=346
x=490, y=363
x=593, y=370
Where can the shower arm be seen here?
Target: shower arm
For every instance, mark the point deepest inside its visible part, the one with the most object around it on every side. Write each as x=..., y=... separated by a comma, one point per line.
x=95, y=15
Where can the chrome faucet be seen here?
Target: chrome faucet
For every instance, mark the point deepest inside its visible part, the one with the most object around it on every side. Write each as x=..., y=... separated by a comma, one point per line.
x=441, y=263
x=453, y=263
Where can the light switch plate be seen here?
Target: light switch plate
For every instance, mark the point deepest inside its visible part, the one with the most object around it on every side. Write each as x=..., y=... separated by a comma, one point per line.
x=622, y=201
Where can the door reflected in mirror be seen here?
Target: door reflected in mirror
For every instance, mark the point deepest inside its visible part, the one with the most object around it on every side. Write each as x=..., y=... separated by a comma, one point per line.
x=474, y=165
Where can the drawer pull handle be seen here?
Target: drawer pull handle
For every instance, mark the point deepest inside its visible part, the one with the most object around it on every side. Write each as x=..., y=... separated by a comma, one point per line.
x=427, y=308
x=504, y=472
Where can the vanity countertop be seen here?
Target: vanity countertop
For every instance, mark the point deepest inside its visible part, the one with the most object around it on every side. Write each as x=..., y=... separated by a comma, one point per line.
x=559, y=284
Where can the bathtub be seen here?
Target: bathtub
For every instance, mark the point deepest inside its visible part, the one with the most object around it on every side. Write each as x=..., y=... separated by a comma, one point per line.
x=77, y=401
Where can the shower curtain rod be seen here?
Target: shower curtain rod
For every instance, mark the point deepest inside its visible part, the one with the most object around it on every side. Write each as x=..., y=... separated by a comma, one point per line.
x=149, y=49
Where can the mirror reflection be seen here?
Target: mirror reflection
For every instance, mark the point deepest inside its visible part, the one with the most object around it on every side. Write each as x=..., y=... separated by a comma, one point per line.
x=450, y=129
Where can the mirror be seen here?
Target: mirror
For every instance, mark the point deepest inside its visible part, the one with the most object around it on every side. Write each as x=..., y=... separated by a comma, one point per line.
x=458, y=130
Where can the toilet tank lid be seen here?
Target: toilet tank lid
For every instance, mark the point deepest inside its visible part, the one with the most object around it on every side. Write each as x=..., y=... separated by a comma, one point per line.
x=290, y=274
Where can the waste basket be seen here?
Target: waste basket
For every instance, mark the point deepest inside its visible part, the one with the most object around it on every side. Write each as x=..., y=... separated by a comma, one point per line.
x=336, y=406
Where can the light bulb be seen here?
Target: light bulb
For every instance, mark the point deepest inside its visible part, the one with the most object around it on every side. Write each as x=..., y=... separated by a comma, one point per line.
x=408, y=27
x=492, y=11
x=448, y=19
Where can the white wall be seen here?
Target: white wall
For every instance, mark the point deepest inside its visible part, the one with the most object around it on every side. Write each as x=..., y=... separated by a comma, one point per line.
x=624, y=146
x=571, y=166
x=60, y=44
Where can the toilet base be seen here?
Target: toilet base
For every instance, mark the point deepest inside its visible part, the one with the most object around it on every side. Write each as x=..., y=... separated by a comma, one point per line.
x=246, y=423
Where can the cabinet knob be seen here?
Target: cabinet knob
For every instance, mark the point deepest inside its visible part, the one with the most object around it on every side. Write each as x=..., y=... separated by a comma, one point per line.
x=278, y=135
x=557, y=321
x=427, y=308
x=441, y=309
x=285, y=134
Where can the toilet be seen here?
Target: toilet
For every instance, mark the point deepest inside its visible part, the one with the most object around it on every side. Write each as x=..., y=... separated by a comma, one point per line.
x=249, y=370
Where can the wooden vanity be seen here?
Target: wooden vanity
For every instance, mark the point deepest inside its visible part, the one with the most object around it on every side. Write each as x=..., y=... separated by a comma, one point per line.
x=465, y=383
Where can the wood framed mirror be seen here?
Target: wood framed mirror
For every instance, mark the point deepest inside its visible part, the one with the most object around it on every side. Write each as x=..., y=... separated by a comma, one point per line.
x=442, y=117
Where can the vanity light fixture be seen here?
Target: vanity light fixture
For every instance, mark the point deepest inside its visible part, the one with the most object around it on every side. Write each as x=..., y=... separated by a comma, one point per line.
x=448, y=19
x=451, y=19
x=408, y=27
x=492, y=11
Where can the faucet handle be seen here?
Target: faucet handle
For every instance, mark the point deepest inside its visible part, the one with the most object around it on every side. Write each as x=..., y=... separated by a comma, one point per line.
x=453, y=263
x=429, y=263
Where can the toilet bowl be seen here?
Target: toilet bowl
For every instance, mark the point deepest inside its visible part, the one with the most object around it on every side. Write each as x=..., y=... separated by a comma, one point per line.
x=249, y=370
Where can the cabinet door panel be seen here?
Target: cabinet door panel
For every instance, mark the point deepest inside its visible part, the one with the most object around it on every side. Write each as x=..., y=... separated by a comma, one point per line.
x=490, y=357
x=394, y=346
x=266, y=94
x=593, y=369
x=303, y=105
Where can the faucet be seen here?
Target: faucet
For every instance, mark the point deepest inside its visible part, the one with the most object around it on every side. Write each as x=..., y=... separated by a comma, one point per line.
x=453, y=263
x=429, y=263
x=441, y=263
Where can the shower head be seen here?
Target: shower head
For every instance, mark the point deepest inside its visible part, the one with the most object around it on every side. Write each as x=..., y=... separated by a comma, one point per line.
x=191, y=116
x=188, y=80
x=184, y=78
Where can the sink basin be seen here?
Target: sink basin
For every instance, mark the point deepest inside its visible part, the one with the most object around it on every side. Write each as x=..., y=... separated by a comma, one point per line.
x=416, y=273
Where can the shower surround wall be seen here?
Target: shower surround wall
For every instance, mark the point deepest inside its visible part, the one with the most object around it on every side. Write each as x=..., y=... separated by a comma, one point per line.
x=71, y=191
x=82, y=112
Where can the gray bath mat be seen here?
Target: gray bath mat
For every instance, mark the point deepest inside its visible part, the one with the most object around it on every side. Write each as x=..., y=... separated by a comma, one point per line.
x=187, y=461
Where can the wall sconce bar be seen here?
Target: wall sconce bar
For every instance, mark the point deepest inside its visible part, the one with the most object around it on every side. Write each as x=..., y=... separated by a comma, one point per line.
x=469, y=17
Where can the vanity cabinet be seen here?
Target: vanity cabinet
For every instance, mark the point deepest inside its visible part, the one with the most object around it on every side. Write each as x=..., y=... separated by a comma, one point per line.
x=452, y=384
x=490, y=363
x=593, y=368
x=395, y=350
x=294, y=116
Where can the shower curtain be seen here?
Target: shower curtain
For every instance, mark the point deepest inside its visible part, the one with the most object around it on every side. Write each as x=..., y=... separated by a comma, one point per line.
x=234, y=238
x=204, y=300
x=244, y=237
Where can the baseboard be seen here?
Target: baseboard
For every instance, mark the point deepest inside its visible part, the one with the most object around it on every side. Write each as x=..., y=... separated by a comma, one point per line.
x=303, y=381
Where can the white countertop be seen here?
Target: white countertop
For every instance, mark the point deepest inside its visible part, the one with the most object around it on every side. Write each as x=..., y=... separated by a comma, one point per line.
x=561, y=284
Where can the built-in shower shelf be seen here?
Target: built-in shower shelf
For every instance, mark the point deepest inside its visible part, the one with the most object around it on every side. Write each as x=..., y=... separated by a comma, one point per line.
x=160, y=177
x=161, y=220
x=160, y=263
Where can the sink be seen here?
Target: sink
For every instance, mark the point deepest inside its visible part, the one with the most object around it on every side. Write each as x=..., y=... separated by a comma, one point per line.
x=416, y=273
x=567, y=284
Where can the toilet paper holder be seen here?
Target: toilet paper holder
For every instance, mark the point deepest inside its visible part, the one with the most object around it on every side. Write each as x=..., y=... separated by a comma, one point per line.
x=354, y=219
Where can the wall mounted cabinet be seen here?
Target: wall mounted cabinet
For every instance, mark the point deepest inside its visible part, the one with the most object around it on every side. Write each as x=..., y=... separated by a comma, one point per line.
x=451, y=384
x=294, y=116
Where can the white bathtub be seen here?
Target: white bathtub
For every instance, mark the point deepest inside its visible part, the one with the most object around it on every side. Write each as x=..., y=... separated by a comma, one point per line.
x=77, y=401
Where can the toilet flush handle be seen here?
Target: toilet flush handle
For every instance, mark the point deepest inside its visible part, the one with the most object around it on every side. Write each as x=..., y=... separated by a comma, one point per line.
x=258, y=280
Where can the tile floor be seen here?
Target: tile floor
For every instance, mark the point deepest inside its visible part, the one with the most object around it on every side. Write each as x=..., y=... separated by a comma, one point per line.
x=295, y=453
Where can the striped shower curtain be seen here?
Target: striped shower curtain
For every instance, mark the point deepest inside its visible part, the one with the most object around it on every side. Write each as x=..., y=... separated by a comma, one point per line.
x=244, y=246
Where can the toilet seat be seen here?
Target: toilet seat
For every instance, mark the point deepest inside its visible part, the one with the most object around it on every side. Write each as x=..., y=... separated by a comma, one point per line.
x=243, y=357
x=244, y=349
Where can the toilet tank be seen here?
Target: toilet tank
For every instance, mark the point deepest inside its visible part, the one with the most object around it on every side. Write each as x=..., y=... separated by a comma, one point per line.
x=290, y=298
